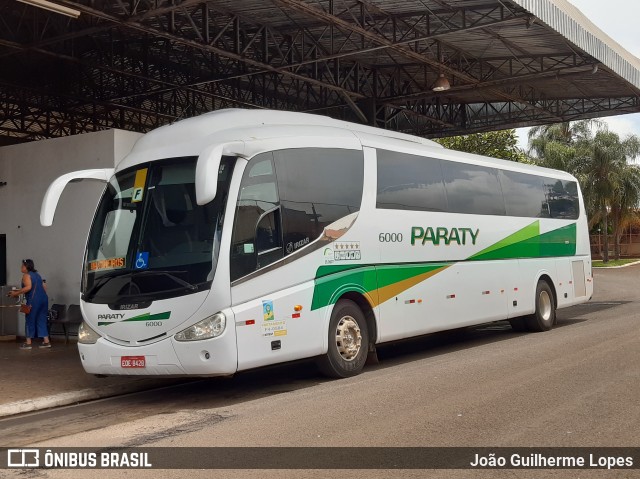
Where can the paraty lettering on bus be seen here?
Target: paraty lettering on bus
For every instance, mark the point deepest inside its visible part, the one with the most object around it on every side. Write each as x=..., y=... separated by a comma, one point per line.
x=440, y=235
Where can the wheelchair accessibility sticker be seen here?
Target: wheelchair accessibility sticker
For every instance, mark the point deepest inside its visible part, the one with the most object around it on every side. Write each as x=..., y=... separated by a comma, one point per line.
x=142, y=260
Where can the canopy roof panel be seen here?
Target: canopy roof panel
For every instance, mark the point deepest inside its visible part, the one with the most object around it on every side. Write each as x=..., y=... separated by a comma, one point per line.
x=141, y=64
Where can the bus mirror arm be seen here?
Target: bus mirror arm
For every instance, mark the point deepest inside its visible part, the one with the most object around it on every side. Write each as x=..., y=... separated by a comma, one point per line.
x=52, y=196
x=208, y=166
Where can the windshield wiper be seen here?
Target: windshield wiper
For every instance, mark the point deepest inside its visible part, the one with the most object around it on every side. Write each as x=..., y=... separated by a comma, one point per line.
x=106, y=277
x=170, y=274
x=130, y=274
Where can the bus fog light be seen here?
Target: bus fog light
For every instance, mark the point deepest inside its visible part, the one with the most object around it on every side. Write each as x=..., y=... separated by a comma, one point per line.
x=86, y=335
x=208, y=328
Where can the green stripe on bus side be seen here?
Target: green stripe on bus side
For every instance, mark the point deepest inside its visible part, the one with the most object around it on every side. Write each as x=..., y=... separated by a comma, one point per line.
x=524, y=236
x=334, y=280
x=560, y=242
x=389, y=274
x=522, y=244
x=333, y=269
x=331, y=280
x=150, y=317
x=364, y=279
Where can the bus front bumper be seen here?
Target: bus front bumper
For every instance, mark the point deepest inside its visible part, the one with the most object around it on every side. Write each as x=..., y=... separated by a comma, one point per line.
x=212, y=357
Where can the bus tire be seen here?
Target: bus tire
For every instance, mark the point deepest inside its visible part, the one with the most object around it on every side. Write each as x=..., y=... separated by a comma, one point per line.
x=348, y=341
x=545, y=315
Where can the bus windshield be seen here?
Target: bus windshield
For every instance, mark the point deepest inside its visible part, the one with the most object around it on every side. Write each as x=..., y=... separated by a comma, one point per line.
x=150, y=239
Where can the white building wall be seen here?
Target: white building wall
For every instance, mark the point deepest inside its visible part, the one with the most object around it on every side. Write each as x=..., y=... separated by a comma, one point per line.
x=28, y=169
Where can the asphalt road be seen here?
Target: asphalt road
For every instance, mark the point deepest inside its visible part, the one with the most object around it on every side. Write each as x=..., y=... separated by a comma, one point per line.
x=577, y=385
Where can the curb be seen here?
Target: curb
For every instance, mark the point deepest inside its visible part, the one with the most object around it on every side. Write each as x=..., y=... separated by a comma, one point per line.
x=72, y=397
x=616, y=267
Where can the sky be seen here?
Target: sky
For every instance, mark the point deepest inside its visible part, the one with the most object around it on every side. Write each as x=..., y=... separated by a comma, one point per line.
x=618, y=19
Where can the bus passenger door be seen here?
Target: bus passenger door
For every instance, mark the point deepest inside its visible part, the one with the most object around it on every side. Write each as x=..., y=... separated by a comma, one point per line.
x=287, y=199
x=256, y=243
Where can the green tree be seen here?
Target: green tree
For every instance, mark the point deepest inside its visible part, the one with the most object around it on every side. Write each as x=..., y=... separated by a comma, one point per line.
x=555, y=145
x=624, y=203
x=600, y=161
x=559, y=135
x=610, y=182
x=496, y=144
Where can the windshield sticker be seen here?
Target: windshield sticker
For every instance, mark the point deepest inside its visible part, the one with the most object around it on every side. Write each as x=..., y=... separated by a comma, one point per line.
x=138, y=185
x=142, y=317
x=142, y=260
x=110, y=263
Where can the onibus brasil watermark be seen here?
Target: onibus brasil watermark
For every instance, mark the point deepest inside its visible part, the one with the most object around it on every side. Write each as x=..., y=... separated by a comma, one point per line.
x=32, y=458
x=321, y=458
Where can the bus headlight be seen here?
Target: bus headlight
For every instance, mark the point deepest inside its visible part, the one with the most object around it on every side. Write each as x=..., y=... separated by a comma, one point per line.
x=208, y=328
x=86, y=335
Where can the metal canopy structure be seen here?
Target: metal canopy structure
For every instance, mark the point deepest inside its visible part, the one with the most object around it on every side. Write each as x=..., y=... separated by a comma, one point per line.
x=139, y=64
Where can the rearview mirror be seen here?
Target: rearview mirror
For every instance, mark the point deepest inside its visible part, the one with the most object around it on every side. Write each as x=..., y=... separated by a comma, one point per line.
x=52, y=196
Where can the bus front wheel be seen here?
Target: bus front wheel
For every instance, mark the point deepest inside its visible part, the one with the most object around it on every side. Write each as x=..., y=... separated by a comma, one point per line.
x=348, y=341
x=545, y=315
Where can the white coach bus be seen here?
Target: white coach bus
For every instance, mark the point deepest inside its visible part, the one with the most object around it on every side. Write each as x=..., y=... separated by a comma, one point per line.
x=239, y=239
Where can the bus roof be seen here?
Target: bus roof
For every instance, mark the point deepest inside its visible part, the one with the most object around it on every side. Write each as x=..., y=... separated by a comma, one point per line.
x=192, y=135
x=196, y=130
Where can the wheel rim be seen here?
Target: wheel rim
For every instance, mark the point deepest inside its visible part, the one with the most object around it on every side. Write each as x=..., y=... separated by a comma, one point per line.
x=348, y=338
x=544, y=305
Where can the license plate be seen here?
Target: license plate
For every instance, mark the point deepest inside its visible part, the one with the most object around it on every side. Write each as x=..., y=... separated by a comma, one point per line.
x=132, y=362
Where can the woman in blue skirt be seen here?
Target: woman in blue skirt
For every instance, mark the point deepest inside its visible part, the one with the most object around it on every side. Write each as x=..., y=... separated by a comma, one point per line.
x=36, y=295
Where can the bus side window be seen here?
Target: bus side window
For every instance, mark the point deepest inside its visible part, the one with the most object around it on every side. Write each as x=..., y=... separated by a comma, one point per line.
x=317, y=186
x=524, y=194
x=562, y=197
x=256, y=226
x=472, y=189
x=409, y=182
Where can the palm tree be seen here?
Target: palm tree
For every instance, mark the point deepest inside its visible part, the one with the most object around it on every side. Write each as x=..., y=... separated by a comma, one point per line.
x=610, y=185
x=624, y=201
x=609, y=182
x=554, y=135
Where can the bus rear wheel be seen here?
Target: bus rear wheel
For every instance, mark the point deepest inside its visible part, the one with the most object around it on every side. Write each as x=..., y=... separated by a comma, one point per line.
x=545, y=315
x=348, y=341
